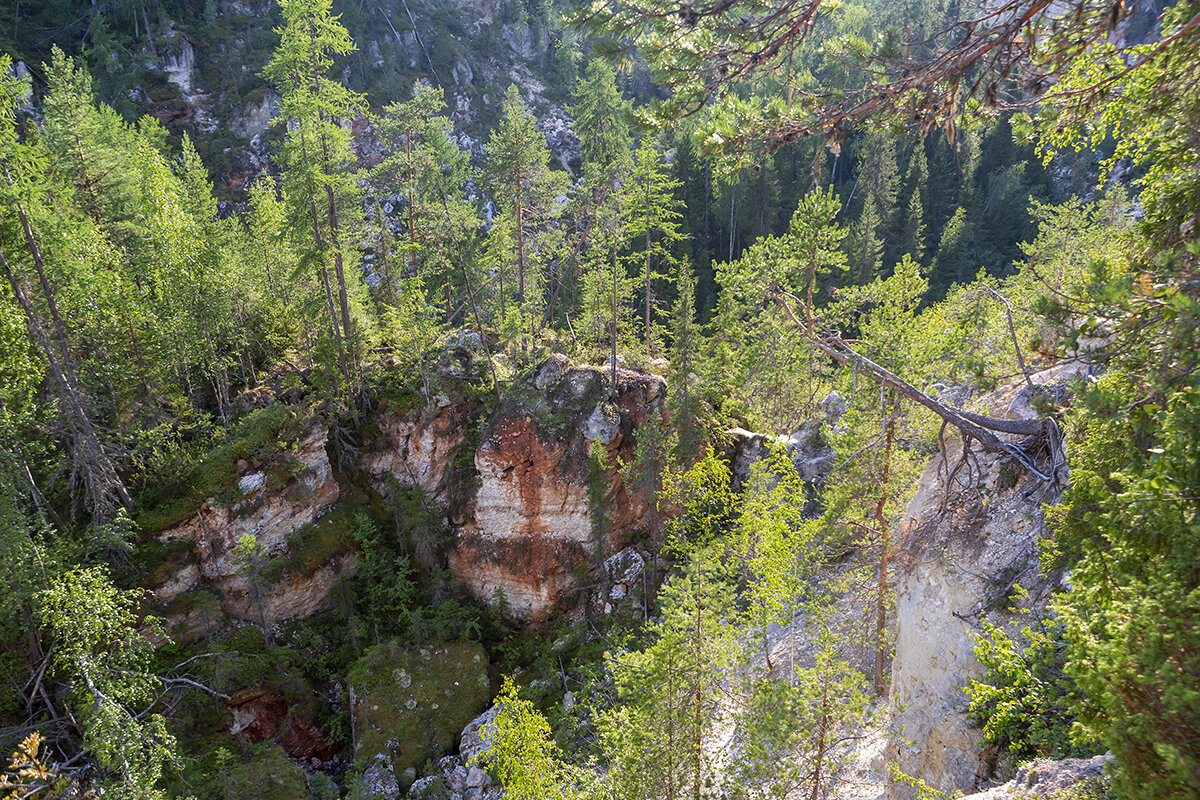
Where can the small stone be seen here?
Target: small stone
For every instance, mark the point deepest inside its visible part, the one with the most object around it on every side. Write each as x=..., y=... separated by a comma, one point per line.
x=252, y=483
x=604, y=424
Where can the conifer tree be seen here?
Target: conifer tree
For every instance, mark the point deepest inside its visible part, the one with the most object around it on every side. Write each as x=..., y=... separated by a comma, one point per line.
x=651, y=209
x=879, y=176
x=908, y=235
x=865, y=247
x=104, y=491
x=319, y=174
x=684, y=399
x=952, y=260
x=423, y=164
x=816, y=239
x=671, y=691
x=601, y=125
x=92, y=145
x=912, y=235
x=528, y=191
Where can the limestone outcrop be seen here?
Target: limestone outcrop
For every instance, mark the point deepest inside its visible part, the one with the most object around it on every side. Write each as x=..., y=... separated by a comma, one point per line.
x=551, y=500
x=970, y=537
x=533, y=503
x=272, y=514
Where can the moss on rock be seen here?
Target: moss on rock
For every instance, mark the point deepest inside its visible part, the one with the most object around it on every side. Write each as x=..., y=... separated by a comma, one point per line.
x=411, y=702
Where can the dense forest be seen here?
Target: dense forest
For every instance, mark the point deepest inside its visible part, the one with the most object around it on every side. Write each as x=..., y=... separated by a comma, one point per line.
x=849, y=227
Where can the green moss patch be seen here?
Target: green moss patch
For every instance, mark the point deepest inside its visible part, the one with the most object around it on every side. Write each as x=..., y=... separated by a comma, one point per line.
x=314, y=544
x=261, y=437
x=160, y=560
x=411, y=702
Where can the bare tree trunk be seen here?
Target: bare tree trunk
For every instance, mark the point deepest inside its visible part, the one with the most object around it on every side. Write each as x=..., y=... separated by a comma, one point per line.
x=103, y=488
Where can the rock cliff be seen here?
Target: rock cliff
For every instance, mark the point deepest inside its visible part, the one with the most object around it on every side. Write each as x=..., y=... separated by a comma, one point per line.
x=534, y=503
x=551, y=501
x=971, y=536
x=271, y=512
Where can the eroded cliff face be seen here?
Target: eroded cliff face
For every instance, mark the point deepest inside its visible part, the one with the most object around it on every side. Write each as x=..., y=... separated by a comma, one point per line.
x=971, y=536
x=534, y=504
x=546, y=509
x=270, y=511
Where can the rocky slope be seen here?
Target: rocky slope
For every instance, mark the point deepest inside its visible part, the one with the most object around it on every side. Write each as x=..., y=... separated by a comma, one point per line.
x=197, y=68
x=535, y=506
x=971, y=537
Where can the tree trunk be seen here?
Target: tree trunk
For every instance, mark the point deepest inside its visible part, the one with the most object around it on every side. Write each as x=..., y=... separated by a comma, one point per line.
x=884, y=545
x=103, y=488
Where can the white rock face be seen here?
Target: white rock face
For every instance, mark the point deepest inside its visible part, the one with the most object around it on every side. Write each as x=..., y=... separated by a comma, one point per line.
x=965, y=547
x=181, y=67
x=253, y=119
x=417, y=451
x=215, y=530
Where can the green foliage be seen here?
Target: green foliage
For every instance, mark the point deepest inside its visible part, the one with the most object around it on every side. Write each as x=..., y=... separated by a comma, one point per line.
x=384, y=581
x=1025, y=698
x=107, y=662
x=265, y=437
x=671, y=691
x=1132, y=649
x=521, y=752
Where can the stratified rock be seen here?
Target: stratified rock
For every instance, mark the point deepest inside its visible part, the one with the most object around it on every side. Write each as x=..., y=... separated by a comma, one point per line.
x=417, y=448
x=271, y=516
x=534, y=528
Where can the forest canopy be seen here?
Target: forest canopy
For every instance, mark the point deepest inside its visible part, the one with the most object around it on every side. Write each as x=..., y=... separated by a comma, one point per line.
x=816, y=220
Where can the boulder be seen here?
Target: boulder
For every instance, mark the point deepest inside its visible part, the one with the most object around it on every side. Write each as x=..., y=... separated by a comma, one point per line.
x=1044, y=779
x=409, y=703
x=379, y=780
x=475, y=738
x=552, y=371
x=604, y=424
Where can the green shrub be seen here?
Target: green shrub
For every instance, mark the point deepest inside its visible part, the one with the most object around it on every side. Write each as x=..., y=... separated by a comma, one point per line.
x=1025, y=700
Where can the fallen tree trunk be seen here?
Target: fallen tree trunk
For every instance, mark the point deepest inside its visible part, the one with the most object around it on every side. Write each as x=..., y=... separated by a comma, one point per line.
x=982, y=429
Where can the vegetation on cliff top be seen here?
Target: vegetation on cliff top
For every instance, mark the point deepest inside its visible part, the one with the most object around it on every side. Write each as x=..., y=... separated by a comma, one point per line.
x=787, y=252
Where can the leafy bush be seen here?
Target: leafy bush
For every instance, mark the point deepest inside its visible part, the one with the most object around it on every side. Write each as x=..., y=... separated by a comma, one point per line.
x=1025, y=700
